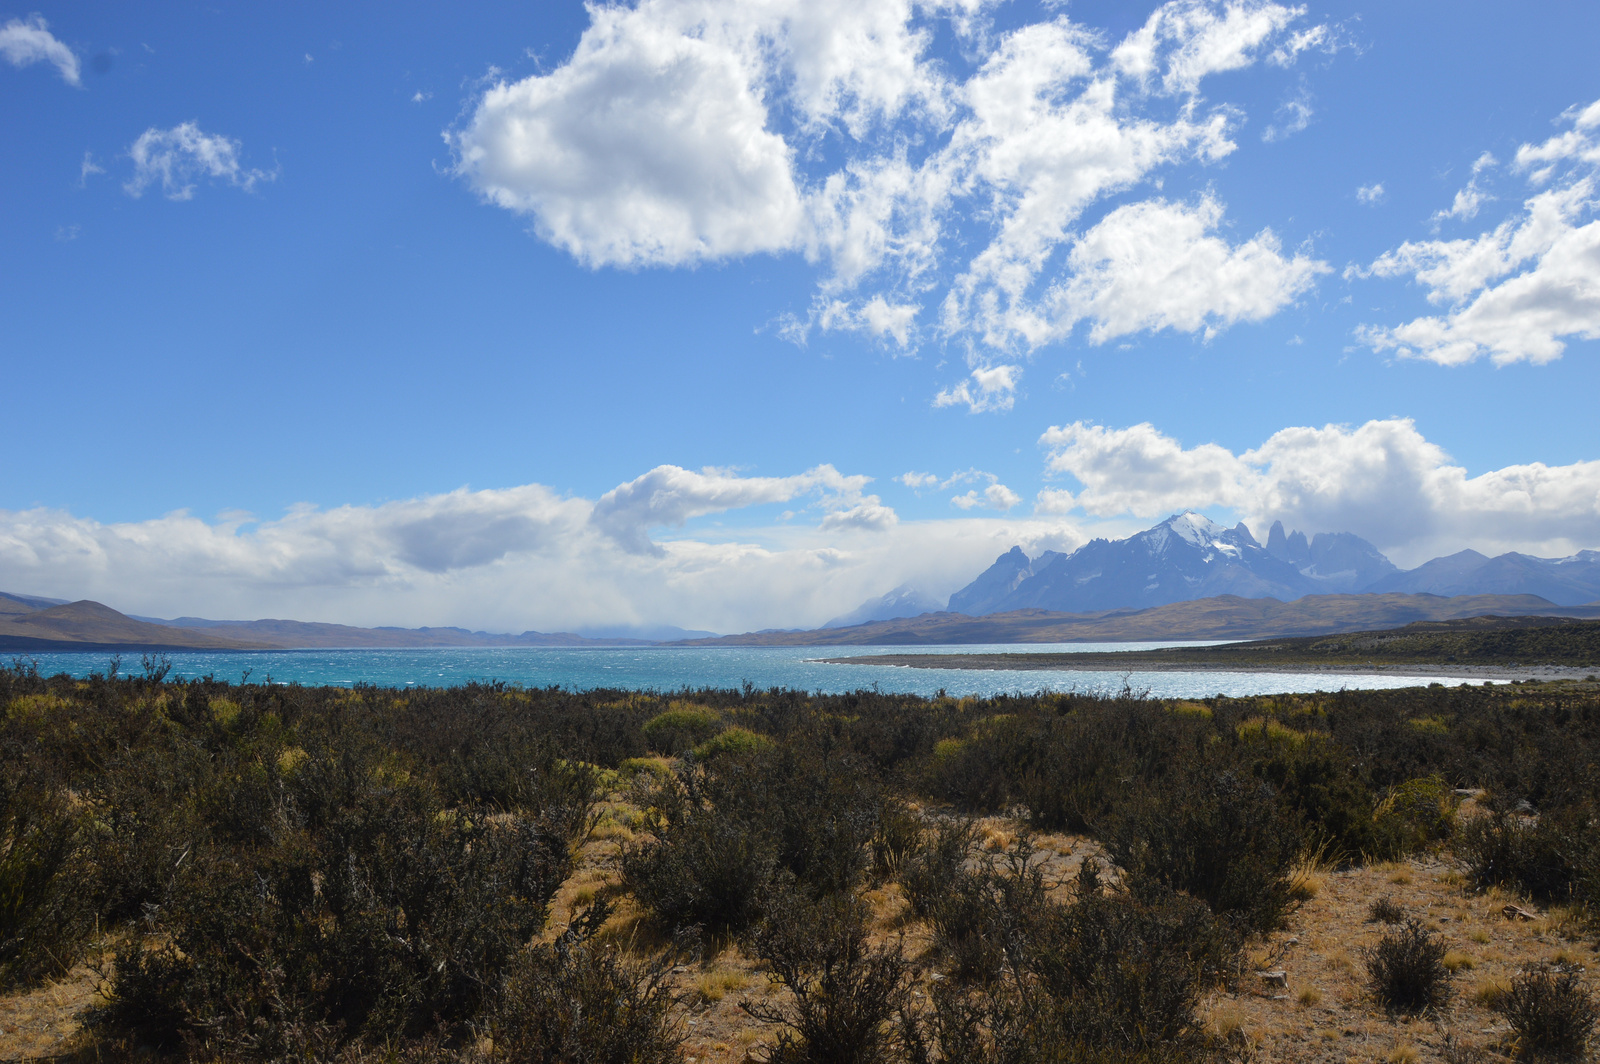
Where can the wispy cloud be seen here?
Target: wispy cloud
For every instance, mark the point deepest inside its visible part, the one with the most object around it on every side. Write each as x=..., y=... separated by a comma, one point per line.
x=178, y=158
x=27, y=41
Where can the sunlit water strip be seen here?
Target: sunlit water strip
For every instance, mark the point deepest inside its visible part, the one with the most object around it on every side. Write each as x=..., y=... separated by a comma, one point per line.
x=676, y=668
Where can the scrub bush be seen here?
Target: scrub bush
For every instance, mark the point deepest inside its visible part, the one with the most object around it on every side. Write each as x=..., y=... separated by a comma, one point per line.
x=846, y=995
x=681, y=728
x=1217, y=836
x=1406, y=971
x=1550, y=1010
x=576, y=1000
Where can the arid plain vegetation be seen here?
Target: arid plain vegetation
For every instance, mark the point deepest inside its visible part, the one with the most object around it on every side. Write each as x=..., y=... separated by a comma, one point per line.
x=247, y=872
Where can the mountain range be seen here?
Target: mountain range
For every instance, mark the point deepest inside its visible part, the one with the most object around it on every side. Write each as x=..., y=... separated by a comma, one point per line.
x=1189, y=557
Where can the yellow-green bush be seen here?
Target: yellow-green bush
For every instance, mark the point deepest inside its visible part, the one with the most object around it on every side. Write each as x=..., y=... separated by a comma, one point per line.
x=733, y=740
x=682, y=727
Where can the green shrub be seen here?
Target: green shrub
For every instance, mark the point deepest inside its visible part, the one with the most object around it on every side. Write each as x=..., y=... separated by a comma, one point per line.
x=703, y=864
x=1110, y=977
x=1385, y=911
x=681, y=728
x=576, y=1000
x=1554, y=857
x=394, y=917
x=846, y=995
x=734, y=741
x=1218, y=837
x=1415, y=815
x=1406, y=971
x=43, y=918
x=895, y=838
x=931, y=871
x=1550, y=1010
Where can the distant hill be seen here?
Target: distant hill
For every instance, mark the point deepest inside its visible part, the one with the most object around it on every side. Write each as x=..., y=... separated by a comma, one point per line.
x=26, y=626
x=90, y=625
x=1503, y=642
x=1188, y=557
x=1221, y=617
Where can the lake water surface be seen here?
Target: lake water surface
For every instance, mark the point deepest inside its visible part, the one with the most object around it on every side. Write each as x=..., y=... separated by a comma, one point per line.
x=675, y=668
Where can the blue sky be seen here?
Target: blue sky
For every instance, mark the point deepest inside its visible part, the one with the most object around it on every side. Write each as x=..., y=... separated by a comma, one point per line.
x=731, y=315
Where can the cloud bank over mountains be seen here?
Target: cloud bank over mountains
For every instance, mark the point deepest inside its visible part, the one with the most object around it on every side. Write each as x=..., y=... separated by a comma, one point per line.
x=1382, y=480
x=530, y=557
x=941, y=192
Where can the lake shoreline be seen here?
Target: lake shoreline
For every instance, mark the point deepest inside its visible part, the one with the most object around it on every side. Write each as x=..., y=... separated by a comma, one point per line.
x=1097, y=663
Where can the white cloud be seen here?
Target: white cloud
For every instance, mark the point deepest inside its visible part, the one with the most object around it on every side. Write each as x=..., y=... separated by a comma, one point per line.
x=688, y=131
x=511, y=559
x=1371, y=195
x=876, y=317
x=27, y=41
x=1139, y=470
x=1382, y=480
x=87, y=169
x=917, y=481
x=1158, y=265
x=996, y=497
x=179, y=157
x=1293, y=116
x=1186, y=40
x=868, y=515
x=986, y=388
x=1519, y=291
x=668, y=496
x=1054, y=501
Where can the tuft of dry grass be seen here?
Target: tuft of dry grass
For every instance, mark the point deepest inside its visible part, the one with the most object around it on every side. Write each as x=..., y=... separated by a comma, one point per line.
x=1404, y=1053
x=1224, y=1021
x=1310, y=997
x=716, y=984
x=1455, y=961
x=1489, y=992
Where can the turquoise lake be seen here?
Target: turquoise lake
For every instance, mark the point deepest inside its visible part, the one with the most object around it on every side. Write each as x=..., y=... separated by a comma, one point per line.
x=675, y=668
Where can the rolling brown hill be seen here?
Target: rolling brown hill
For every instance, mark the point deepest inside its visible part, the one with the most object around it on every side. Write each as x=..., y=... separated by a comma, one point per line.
x=87, y=625
x=32, y=624
x=1223, y=617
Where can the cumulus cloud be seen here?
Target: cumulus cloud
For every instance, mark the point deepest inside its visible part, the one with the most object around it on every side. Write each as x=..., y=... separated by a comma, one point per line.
x=668, y=496
x=1382, y=480
x=515, y=558
x=687, y=131
x=1517, y=292
x=1054, y=501
x=1139, y=470
x=1158, y=265
x=1371, y=195
x=178, y=158
x=996, y=497
x=986, y=388
x=27, y=41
